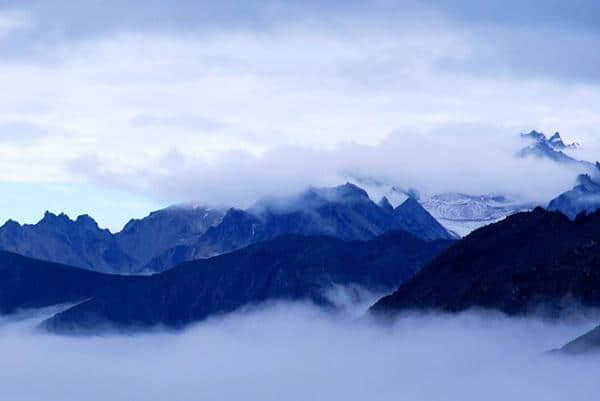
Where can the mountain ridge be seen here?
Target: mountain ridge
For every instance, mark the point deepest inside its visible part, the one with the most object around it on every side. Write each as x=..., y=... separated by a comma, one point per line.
x=286, y=268
x=344, y=212
x=537, y=261
x=176, y=234
x=584, y=197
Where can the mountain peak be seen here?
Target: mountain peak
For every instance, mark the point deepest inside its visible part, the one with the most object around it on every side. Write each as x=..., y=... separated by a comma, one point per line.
x=584, y=197
x=410, y=203
x=50, y=217
x=411, y=216
x=351, y=190
x=341, y=193
x=555, y=142
x=552, y=149
x=385, y=204
x=538, y=136
x=186, y=206
x=86, y=220
x=10, y=223
x=588, y=183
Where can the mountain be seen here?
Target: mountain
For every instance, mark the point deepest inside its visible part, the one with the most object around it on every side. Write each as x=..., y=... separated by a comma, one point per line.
x=82, y=243
x=537, y=261
x=551, y=149
x=31, y=283
x=458, y=212
x=584, y=197
x=176, y=234
x=463, y=213
x=146, y=238
x=557, y=143
x=344, y=212
x=290, y=267
x=59, y=239
x=586, y=344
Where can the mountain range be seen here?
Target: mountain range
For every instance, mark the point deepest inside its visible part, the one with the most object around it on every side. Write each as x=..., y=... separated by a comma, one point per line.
x=290, y=267
x=200, y=262
x=537, y=262
x=82, y=243
x=173, y=235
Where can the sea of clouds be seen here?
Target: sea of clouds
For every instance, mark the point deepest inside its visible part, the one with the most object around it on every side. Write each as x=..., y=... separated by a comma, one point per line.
x=297, y=352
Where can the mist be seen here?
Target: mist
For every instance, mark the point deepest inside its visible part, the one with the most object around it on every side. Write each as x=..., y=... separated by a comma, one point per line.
x=472, y=159
x=298, y=352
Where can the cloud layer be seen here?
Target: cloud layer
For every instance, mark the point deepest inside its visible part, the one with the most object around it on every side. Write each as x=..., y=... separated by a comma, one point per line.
x=461, y=158
x=297, y=353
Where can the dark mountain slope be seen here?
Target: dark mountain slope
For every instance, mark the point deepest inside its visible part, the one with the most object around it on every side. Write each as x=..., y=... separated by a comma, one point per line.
x=410, y=216
x=586, y=344
x=535, y=261
x=286, y=268
x=31, y=283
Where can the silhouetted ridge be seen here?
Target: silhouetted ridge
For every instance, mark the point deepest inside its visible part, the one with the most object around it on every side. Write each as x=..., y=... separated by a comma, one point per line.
x=535, y=261
x=289, y=267
x=31, y=283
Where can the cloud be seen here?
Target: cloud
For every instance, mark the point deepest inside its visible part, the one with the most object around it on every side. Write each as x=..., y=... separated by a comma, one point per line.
x=522, y=37
x=20, y=132
x=461, y=158
x=297, y=352
x=185, y=121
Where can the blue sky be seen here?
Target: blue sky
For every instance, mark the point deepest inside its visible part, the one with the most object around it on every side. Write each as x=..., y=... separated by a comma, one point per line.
x=145, y=103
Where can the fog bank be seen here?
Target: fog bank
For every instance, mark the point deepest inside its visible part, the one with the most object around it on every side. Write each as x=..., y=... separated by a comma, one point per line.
x=295, y=352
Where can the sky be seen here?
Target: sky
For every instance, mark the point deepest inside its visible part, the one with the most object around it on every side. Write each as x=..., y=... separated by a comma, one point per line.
x=117, y=108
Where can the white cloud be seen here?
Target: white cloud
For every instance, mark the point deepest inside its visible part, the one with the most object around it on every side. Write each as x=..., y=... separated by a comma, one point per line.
x=295, y=352
x=469, y=162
